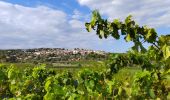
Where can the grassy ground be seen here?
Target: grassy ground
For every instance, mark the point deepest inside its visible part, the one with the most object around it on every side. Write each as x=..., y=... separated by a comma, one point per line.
x=73, y=66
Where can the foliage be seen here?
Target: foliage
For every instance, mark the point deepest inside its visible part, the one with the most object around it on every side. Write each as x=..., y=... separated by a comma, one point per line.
x=154, y=62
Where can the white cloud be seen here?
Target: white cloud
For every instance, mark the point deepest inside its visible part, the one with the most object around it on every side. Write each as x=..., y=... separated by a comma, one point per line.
x=76, y=24
x=155, y=13
x=77, y=14
x=40, y=19
x=41, y=26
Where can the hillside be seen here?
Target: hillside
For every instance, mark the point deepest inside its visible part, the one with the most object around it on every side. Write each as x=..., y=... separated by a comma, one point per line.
x=50, y=55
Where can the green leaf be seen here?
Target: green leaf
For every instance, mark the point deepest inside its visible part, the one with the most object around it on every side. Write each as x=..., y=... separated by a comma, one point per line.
x=118, y=23
x=72, y=97
x=49, y=96
x=152, y=94
x=166, y=51
x=128, y=19
x=88, y=27
x=95, y=16
x=148, y=34
x=102, y=33
x=91, y=83
x=115, y=35
x=47, y=85
x=128, y=38
x=151, y=35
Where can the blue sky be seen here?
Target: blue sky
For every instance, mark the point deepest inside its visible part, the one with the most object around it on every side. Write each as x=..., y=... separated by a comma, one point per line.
x=67, y=6
x=60, y=23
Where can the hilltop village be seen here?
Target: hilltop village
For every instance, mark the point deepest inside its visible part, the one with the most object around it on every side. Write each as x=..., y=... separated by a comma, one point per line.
x=50, y=55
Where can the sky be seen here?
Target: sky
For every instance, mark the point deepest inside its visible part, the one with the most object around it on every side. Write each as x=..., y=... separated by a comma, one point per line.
x=60, y=23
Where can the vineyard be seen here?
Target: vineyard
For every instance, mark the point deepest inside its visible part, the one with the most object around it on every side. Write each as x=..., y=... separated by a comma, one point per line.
x=150, y=82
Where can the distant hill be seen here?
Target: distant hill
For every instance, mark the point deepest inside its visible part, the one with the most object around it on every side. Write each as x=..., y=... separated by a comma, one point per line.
x=50, y=55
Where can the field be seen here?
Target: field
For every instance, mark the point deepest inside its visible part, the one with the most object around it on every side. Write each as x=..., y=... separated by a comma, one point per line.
x=70, y=76
x=127, y=73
